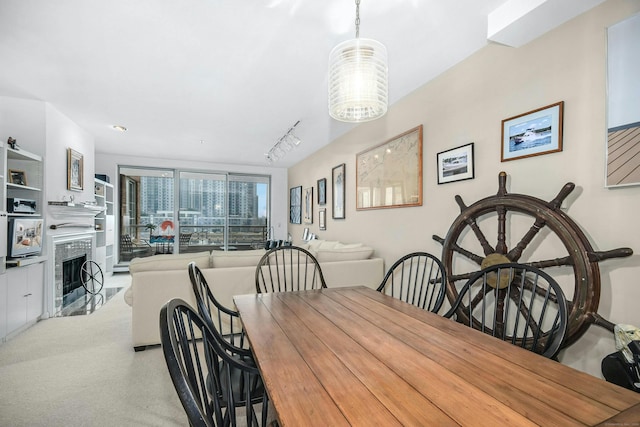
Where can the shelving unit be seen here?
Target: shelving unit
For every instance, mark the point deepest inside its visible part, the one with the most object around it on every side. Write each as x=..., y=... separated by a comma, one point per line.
x=24, y=179
x=22, y=279
x=104, y=224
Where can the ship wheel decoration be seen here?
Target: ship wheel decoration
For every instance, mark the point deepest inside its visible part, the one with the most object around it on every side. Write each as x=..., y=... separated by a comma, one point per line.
x=466, y=249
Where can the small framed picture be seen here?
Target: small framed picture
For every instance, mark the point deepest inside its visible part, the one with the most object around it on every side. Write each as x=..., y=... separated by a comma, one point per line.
x=322, y=191
x=338, y=189
x=75, y=170
x=295, y=205
x=456, y=164
x=322, y=218
x=17, y=177
x=308, y=205
x=534, y=133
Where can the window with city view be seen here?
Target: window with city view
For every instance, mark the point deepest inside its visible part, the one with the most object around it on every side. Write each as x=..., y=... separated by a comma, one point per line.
x=215, y=211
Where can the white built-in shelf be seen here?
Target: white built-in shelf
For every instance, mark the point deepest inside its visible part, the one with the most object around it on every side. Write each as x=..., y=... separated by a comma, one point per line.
x=21, y=262
x=22, y=187
x=22, y=155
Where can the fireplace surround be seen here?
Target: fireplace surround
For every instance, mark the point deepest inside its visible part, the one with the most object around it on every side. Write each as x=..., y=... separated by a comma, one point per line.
x=63, y=248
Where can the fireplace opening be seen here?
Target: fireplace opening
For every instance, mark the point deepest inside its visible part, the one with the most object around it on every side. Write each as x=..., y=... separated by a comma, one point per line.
x=72, y=288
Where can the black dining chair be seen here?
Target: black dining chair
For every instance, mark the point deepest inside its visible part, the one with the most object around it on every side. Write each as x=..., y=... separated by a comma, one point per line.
x=517, y=303
x=212, y=379
x=288, y=268
x=223, y=319
x=417, y=278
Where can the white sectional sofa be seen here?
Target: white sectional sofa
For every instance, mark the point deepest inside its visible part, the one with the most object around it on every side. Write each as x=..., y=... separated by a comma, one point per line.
x=157, y=279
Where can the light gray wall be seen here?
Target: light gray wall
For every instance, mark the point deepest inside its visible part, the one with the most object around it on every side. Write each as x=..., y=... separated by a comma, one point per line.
x=467, y=104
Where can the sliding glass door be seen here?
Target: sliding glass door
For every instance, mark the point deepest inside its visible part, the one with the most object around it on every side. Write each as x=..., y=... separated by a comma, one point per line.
x=222, y=211
x=215, y=211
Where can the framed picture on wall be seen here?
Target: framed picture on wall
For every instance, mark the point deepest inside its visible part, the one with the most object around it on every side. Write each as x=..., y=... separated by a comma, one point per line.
x=322, y=218
x=75, y=170
x=322, y=191
x=455, y=164
x=337, y=191
x=308, y=205
x=623, y=108
x=295, y=205
x=534, y=133
x=389, y=175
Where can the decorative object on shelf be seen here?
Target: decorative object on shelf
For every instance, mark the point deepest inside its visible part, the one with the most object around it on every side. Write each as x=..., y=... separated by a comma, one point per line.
x=322, y=218
x=295, y=200
x=286, y=143
x=17, y=177
x=11, y=142
x=533, y=134
x=337, y=191
x=151, y=227
x=75, y=170
x=358, y=80
x=70, y=225
x=456, y=164
x=389, y=175
x=322, y=191
x=623, y=103
x=308, y=205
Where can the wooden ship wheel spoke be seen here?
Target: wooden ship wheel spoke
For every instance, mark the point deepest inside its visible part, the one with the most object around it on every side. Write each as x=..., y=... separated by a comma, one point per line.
x=543, y=221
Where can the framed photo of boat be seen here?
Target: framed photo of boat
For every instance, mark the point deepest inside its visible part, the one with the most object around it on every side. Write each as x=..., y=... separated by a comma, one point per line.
x=534, y=133
x=389, y=175
x=456, y=164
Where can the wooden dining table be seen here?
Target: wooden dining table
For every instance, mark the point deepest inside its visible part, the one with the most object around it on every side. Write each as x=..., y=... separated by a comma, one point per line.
x=353, y=356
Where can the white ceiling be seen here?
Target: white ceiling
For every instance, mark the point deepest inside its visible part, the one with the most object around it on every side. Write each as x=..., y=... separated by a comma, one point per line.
x=234, y=75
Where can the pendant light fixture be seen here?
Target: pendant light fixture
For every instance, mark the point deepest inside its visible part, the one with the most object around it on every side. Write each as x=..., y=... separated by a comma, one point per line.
x=358, y=79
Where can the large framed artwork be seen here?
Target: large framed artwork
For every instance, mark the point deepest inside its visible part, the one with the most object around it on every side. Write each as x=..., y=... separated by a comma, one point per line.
x=75, y=170
x=456, y=164
x=308, y=205
x=623, y=103
x=295, y=205
x=338, y=191
x=533, y=133
x=389, y=175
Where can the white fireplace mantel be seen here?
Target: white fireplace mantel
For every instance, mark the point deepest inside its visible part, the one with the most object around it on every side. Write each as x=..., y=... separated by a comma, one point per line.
x=54, y=239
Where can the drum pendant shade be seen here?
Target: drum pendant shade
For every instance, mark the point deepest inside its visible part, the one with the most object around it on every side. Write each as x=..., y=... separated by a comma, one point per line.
x=358, y=88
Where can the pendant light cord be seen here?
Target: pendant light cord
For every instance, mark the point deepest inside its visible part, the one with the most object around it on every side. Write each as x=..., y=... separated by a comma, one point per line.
x=357, y=19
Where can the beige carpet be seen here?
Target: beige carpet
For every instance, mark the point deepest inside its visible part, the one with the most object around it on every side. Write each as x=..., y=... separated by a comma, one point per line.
x=82, y=371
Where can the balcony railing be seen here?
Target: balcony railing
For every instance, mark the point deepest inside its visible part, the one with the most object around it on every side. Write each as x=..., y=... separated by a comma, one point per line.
x=196, y=238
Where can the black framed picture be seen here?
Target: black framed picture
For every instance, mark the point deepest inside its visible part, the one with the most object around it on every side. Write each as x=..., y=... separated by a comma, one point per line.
x=456, y=164
x=322, y=191
x=338, y=189
x=295, y=205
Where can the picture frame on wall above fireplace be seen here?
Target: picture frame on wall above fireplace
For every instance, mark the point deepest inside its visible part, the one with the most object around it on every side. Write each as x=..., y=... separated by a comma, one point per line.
x=75, y=170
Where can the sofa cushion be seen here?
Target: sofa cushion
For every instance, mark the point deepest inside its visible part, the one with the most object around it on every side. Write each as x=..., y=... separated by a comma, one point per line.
x=169, y=262
x=345, y=253
x=222, y=259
